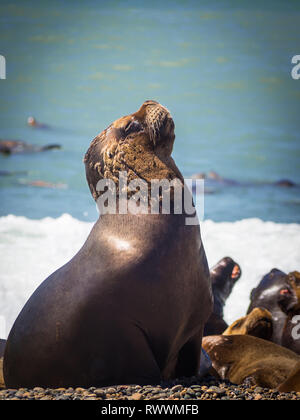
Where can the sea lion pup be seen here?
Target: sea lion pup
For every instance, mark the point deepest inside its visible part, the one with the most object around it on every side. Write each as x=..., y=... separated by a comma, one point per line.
x=8, y=147
x=291, y=306
x=223, y=277
x=258, y=323
x=130, y=307
x=267, y=295
x=241, y=357
x=2, y=347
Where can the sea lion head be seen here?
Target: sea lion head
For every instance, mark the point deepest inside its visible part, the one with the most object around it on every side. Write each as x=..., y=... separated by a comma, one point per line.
x=140, y=144
x=258, y=324
x=272, y=285
x=289, y=298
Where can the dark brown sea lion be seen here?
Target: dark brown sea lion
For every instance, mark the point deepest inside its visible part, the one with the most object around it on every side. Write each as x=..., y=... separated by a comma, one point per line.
x=223, y=277
x=273, y=287
x=2, y=346
x=243, y=357
x=8, y=147
x=291, y=330
x=130, y=307
x=258, y=323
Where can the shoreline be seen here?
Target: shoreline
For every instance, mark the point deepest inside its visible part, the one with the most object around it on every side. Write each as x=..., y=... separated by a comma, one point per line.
x=194, y=388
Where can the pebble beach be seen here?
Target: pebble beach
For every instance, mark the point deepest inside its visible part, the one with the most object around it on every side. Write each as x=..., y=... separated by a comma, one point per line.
x=208, y=388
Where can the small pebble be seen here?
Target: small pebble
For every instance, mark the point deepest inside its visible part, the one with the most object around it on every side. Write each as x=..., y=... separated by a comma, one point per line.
x=207, y=388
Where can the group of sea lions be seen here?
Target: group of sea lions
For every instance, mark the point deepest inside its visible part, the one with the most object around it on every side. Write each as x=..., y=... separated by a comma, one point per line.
x=131, y=306
x=8, y=147
x=259, y=347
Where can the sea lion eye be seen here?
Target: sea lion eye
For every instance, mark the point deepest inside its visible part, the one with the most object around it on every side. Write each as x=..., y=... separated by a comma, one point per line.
x=132, y=127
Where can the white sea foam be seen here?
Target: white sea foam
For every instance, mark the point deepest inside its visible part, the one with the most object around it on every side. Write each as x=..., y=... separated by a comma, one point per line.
x=30, y=250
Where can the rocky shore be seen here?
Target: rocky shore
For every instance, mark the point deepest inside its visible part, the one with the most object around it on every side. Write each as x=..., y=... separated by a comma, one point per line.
x=207, y=388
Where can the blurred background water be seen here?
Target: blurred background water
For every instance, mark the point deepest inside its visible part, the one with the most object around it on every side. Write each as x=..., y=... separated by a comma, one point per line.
x=223, y=69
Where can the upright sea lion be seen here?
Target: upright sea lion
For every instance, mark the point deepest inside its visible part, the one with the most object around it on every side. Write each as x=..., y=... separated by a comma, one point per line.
x=273, y=286
x=258, y=323
x=130, y=307
x=241, y=357
x=223, y=277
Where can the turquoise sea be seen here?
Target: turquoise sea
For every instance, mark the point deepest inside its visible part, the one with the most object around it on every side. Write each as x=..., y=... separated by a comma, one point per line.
x=223, y=69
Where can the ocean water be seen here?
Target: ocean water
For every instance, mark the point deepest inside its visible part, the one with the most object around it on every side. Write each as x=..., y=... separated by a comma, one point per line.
x=223, y=69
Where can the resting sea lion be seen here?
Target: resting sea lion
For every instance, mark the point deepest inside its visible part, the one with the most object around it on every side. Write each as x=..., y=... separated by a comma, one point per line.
x=258, y=323
x=223, y=277
x=8, y=147
x=292, y=383
x=130, y=307
x=2, y=347
x=267, y=294
x=241, y=357
x=291, y=330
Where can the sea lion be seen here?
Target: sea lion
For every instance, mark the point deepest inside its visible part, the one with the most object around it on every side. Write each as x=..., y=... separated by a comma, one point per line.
x=130, y=307
x=273, y=286
x=2, y=347
x=292, y=383
x=32, y=122
x=285, y=183
x=243, y=357
x=291, y=332
x=223, y=277
x=258, y=323
x=12, y=173
x=8, y=147
x=213, y=179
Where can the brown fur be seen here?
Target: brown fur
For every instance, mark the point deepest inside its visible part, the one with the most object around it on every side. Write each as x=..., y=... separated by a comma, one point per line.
x=258, y=323
x=292, y=383
x=238, y=357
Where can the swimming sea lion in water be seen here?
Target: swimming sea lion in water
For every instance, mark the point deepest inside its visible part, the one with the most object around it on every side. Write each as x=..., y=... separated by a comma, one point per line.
x=8, y=147
x=257, y=323
x=32, y=122
x=273, y=286
x=130, y=307
x=241, y=357
x=223, y=277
